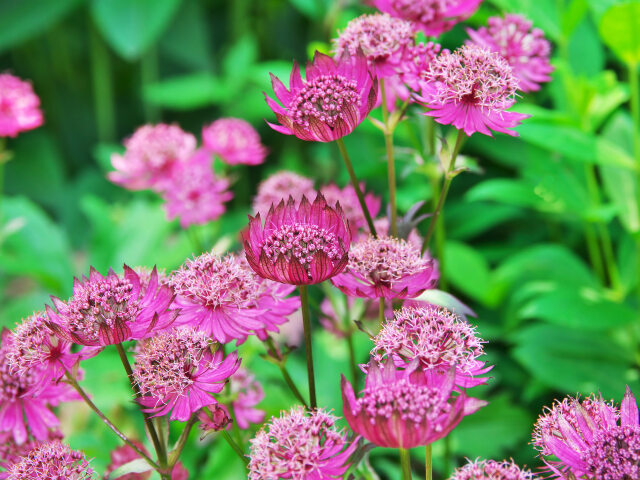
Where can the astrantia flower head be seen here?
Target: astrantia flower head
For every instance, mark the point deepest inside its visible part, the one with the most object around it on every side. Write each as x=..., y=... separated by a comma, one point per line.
x=246, y=392
x=280, y=186
x=525, y=49
x=52, y=460
x=299, y=245
x=112, y=309
x=151, y=154
x=125, y=454
x=223, y=297
x=336, y=96
x=176, y=372
x=300, y=445
x=19, y=106
x=348, y=200
x=235, y=141
x=419, y=60
x=386, y=267
x=471, y=89
x=491, y=470
x=405, y=408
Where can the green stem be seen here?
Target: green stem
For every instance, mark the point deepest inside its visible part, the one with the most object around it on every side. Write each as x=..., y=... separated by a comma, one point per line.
x=381, y=310
x=306, y=320
x=405, y=462
x=182, y=440
x=236, y=448
x=391, y=165
x=602, y=268
x=428, y=461
x=635, y=115
x=594, y=252
x=352, y=359
x=2, y=162
x=101, y=76
x=431, y=135
x=285, y=374
x=356, y=185
x=447, y=455
x=609, y=256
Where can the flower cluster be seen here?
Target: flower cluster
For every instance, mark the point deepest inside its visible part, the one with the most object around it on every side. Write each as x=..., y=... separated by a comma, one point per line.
x=246, y=393
x=51, y=460
x=491, y=470
x=280, y=186
x=235, y=141
x=19, y=106
x=348, y=200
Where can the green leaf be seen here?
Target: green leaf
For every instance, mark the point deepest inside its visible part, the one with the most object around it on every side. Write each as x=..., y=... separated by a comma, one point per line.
x=620, y=30
x=468, y=220
x=240, y=57
x=507, y=191
x=138, y=465
x=467, y=270
x=314, y=9
x=187, y=92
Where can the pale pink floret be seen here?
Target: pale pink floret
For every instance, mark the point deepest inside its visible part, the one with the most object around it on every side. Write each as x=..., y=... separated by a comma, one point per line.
x=177, y=373
x=19, y=106
x=300, y=445
x=406, y=408
x=525, y=48
x=151, y=154
x=235, y=141
x=491, y=470
x=246, y=392
x=51, y=460
x=419, y=60
x=348, y=200
x=280, y=186
x=336, y=96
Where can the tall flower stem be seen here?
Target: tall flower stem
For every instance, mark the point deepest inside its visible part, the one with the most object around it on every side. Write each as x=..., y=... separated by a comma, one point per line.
x=391, y=165
x=182, y=441
x=2, y=162
x=352, y=358
x=285, y=374
x=381, y=310
x=306, y=321
x=405, y=462
x=428, y=462
x=356, y=185
x=236, y=448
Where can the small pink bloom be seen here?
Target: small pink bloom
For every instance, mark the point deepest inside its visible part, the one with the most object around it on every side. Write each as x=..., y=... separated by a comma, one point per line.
x=280, y=186
x=419, y=60
x=213, y=419
x=52, y=460
x=350, y=205
x=235, y=141
x=491, y=470
x=291, y=331
x=125, y=454
x=246, y=392
x=19, y=106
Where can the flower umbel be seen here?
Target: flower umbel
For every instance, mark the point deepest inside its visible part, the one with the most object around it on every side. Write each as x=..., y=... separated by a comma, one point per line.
x=491, y=470
x=246, y=393
x=19, y=106
x=280, y=186
x=235, y=141
x=52, y=460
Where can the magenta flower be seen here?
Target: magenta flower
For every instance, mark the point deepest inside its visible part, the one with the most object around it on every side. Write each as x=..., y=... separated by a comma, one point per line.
x=348, y=200
x=386, y=267
x=336, y=97
x=235, y=141
x=246, y=393
x=176, y=373
x=419, y=60
x=112, y=309
x=125, y=454
x=491, y=470
x=151, y=154
x=51, y=460
x=525, y=49
x=223, y=297
x=280, y=186
x=19, y=106
x=298, y=246
x=213, y=419
x=300, y=445
x=472, y=89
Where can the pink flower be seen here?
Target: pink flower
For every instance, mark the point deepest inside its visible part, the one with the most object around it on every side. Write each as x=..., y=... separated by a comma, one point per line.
x=19, y=106
x=336, y=97
x=213, y=419
x=280, y=186
x=471, y=89
x=176, y=372
x=491, y=470
x=300, y=445
x=125, y=454
x=112, y=309
x=350, y=205
x=386, y=267
x=405, y=408
x=298, y=246
x=291, y=331
x=525, y=49
x=235, y=141
x=224, y=298
x=52, y=460
x=246, y=392
x=151, y=154
x=419, y=60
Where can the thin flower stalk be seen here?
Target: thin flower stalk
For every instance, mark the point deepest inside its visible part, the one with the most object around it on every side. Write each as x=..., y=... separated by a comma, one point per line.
x=405, y=462
x=304, y=297
x=389, y=128
x=285, y=373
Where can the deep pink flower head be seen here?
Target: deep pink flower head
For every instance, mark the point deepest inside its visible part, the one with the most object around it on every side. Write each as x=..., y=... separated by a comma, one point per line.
x=300, y=445
x=348, y=200
x=525, y=49
x=471, y=89
x=19, y=106
x=177, y=372
x=125, y=454
x=433, y=17
x=51, y=460
x=151, y=154
x=235, y=141
x=280, y=186
x=491, y=470
x=435, y=337
x=386, y=267
x=246, y=393
x=112, y=309
x=299, y=245
x=405, y=408
x=336, y=97
x=223, y=297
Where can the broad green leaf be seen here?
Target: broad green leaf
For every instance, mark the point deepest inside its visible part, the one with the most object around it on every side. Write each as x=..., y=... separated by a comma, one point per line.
x=314, y=9
x=467, y=220
x=509, y=192
x=620, y=30
x=586, y=53
x=240, y=57
x=467, y=270
x=187, y=92
x=187, y=40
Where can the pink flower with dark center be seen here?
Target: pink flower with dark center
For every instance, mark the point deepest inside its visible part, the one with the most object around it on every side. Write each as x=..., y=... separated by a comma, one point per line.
x=112, y=309
x=299, y=246
x=246, y=392
x=472, y=89
x=151, y=154
x=52, y=460
x=348, y=200
x=223, y=297
x=491, y=470
x=19, y=106
x=280, y=186
x=336, y=97
x=386, y=267
x=525, y=49
x=125, y=454
x=176, y=373
x=300, y=445
x=235, y=141
x=419, y=60
x=436, y=338
x=405, y=408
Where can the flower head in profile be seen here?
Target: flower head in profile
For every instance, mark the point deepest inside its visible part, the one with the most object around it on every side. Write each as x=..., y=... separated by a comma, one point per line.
x=112, y=309
x=348, y=200
x=386, y=267
x=246, y=393
x=235, y=141
x=280, y=186
x=525, y=48
x=405, y=408
x=491, y=470
x=19, y=106
x=213, y=419
x=298, y=245
x=336, y=96
x=471, y=89
x=125, y=454
x=300, y=445
x=51, y=460
x=177, y=373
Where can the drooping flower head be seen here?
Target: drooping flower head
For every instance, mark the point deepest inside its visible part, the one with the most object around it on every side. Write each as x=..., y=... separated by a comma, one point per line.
x=300, y=445
x=223, y=297
x=151, y=154
x=525, y=49
x=112, y=309
x=348, y=200
x=405, y=408
x=280, y=186
x=491, y=470
x=471, y=89
x=386, y=267
x=125, y=454
x=176, y=372
x=235, y=141
x=19, y=106
x=246, y=393
x=213, y=419
x=336, y=96
x=51, y=460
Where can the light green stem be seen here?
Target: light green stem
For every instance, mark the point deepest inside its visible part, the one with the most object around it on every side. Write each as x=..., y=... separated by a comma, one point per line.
x=635, y=115
x=405, y=462
x=306, y=321
x=428, y=462
x=285, y=374
x=391, y=165
x=101, y=76
x=236, y=448
x=381, y=311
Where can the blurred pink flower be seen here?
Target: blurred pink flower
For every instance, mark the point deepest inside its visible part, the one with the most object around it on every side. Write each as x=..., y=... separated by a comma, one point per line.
x=280, y=186
x=235, y=141
x=491, y=470
x=19, y=106
x=125, y=454
x=419, y=60
x=246, y=392
x=52, y=460
x=348, y=200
